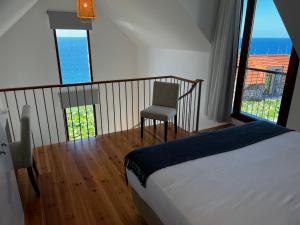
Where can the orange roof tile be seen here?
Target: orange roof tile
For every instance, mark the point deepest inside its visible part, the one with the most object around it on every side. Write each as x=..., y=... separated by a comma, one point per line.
x=265, y=62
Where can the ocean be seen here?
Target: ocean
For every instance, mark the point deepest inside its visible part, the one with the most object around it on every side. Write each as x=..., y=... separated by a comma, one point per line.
x=74, y=57
x=260, y=46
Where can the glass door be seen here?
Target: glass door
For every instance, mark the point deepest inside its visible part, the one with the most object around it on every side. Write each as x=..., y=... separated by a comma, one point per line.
x=266, y=56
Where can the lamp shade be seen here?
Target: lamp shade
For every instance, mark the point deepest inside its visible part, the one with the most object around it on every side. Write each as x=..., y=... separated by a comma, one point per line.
x=86, y=9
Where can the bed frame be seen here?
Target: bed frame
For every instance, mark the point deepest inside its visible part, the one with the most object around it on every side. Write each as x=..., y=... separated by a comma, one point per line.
x=145, y=210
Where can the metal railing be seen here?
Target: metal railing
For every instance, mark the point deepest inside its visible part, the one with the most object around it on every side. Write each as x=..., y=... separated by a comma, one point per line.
x=76, y=111
x=262, y=92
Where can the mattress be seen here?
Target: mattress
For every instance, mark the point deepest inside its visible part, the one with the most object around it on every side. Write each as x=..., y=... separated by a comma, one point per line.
x=254, y=185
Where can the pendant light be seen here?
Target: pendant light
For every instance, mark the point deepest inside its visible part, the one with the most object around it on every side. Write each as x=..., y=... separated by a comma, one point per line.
x=86, y=9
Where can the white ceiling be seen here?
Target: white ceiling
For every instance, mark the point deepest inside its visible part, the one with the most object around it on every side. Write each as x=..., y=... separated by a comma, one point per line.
x=148, y=23
x=11, y=11
x=204, y=13
x=172, y=24
x=156, y=23
x=289, y=12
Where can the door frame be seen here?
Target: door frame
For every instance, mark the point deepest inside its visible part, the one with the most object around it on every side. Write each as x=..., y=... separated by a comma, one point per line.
x=242, y=67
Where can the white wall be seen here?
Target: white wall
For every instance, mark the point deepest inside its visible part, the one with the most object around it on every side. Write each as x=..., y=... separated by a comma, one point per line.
x=192, y=64
x=156, y=23
x=11, y=11
x=189, y=64
x=27, y=52
x=28, y=57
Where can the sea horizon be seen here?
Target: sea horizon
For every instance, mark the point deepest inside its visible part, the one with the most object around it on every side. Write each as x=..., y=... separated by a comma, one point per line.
x=75, y=63
x=269, y=46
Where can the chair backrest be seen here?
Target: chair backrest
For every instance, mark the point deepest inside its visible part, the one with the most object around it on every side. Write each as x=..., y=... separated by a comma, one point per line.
x=165, y=94
x=25, y=135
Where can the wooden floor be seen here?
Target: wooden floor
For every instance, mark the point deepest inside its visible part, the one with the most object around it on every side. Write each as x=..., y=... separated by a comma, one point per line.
x=82, y=183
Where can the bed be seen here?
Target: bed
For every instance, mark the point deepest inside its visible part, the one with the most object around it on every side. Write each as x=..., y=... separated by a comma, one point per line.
x=258, y=184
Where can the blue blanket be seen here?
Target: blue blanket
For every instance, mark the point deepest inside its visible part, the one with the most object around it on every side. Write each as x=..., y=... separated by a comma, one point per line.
x=145, y=161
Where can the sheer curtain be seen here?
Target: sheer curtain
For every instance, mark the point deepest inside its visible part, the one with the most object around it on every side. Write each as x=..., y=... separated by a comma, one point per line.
x=223, y=61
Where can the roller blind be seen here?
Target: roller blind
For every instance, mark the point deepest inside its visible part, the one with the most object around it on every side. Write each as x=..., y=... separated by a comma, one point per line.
x=68, y=20
x=80, y=98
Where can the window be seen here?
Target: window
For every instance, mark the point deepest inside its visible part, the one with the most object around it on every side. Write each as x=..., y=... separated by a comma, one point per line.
x=267, y=65
x=74, y=64
x=242, y=27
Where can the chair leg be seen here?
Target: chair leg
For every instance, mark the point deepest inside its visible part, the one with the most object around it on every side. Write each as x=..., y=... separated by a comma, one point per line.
x=154, y=124
x=33, y=181
x=175, y=123
x=166, y=130
x=142, y=127
x=35, y=167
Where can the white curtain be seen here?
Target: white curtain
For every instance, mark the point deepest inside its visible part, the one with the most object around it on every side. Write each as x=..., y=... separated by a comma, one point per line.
x=223, y=61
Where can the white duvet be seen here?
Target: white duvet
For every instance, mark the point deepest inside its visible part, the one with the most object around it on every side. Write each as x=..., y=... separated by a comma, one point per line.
x=255, y=185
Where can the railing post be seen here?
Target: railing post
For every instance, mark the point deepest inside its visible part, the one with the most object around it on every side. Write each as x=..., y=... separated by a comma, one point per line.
x=186, y=114
x=78, y=112
x=198, y=107
x=100, y=108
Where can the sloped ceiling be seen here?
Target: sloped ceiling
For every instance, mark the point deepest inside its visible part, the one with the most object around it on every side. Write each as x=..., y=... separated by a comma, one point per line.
x=148, y=23
x=289, y=12
x=11, y=11
x=156, y=23
x=204, y=13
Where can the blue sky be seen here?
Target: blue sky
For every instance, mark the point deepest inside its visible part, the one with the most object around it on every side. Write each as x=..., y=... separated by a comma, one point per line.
x=267, y=22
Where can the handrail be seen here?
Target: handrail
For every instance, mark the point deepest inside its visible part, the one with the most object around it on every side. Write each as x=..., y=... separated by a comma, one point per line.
x=265, y=71
x=187, y=80
x=257, y=95
x=191, y=89
x=116, y=105
x=95, y=82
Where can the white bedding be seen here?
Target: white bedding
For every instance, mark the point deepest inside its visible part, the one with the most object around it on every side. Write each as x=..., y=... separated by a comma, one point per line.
x=255, y=185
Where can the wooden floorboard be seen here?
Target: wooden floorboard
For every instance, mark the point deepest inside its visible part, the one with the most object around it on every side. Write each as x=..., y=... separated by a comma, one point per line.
x=82, y=182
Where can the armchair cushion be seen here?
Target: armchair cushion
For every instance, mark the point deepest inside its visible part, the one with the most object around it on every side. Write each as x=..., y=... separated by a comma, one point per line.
x=158, y=113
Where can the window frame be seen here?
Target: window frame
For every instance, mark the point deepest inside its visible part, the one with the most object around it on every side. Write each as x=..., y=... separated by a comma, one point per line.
x=61, y=80
x=241, y=72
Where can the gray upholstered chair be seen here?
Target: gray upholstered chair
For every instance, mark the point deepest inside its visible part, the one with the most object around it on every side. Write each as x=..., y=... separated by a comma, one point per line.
x=21, y=151
x=164, y=105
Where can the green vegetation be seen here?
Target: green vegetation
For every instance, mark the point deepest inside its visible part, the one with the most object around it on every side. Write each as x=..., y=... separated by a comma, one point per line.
x=267, y=108
x=80, y=120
